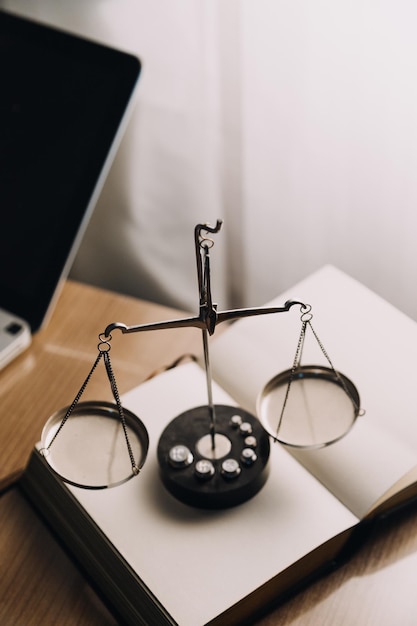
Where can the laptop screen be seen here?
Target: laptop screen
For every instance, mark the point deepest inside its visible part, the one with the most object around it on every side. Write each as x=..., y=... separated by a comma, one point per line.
x=62, y=101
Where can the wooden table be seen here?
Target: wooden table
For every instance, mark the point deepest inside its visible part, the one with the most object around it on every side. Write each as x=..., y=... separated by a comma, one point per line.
x=39, y=583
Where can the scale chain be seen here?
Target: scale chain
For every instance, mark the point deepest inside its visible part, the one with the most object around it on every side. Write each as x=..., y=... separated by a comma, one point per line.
x=104, y=349
x=76, y=399
x=306, y=317
x=116, y=396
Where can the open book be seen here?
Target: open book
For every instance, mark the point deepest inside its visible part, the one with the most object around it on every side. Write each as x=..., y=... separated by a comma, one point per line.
x=160, y=561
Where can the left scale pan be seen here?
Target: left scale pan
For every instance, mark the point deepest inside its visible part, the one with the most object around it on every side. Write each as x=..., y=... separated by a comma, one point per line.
x=91, y=450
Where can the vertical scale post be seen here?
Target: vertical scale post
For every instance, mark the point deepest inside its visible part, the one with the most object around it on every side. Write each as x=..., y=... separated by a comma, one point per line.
x=211, y=407
x=207, y=310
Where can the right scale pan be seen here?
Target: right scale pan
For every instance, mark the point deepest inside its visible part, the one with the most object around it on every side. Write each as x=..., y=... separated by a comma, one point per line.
x=310, y=407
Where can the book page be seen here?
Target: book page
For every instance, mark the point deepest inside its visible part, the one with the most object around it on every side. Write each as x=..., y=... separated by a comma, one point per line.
x=219, y=557
x=371, y=343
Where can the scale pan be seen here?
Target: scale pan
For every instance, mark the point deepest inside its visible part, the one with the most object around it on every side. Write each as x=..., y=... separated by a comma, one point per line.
x=91, y=451
x=321, y=407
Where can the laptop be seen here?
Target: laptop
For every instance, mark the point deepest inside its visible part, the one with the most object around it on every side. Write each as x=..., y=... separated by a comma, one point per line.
x=64, y=102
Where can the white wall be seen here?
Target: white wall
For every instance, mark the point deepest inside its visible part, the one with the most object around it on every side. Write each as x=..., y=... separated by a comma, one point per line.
x=330, y=152
x=295, y=120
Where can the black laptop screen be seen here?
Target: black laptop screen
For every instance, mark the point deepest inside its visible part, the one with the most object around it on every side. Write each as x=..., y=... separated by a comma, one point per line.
x=62, y=99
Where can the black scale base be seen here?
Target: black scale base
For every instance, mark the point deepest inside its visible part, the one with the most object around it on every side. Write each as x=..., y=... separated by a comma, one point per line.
x=230, y=474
